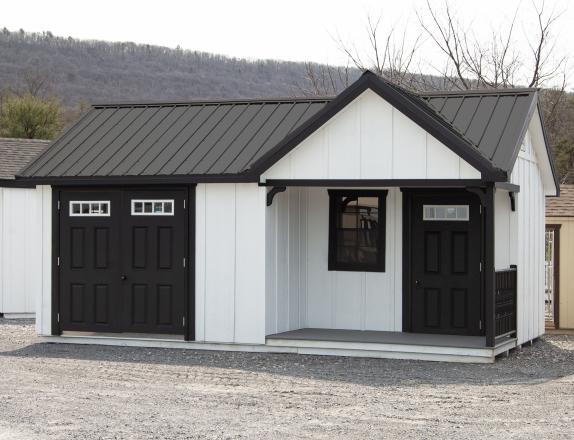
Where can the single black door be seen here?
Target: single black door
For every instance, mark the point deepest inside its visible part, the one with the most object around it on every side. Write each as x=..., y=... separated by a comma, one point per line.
x=153, y=278
x=90, y=261
x=445, y=263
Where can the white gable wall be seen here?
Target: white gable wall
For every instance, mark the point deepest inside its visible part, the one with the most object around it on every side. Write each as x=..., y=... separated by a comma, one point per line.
x=370, y=139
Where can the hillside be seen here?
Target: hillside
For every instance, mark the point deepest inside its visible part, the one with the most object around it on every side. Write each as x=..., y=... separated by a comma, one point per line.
x=92, y=71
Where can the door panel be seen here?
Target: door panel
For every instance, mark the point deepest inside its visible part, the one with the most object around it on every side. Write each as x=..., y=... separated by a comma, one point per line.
x=445, y=266
x=89, y=264
x=154, y=272
x=121, y=272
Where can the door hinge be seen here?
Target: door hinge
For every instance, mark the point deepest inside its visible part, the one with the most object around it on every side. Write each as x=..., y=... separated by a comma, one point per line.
x=183, y=203
x=58, y=262
x=480, y=324
x=480, y=266
x=480, y=208
x=58, y=205
x=184, y=321
x=58, y=317
x=183, y=261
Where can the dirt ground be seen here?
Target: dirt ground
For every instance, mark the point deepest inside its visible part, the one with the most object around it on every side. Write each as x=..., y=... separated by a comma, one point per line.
x=62, y=391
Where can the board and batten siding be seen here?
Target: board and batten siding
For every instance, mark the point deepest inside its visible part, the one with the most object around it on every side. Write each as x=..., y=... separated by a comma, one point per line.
x=20, y=254
x=230, y=263
x=370, y=139
x=302, y=292
x=530, y=221
x=566, y=276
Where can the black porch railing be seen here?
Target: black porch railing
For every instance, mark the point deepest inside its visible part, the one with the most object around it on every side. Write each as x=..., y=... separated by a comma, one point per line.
x=505, y=302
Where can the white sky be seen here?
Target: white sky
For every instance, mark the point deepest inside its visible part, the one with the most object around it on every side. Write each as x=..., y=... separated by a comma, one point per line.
x=299, y=30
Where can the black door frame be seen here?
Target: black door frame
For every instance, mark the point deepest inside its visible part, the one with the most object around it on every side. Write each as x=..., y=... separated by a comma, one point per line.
x=408, y=194
x=189, y=239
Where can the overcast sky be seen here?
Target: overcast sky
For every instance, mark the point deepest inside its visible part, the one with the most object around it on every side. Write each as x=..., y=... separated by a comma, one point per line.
x=298, y=30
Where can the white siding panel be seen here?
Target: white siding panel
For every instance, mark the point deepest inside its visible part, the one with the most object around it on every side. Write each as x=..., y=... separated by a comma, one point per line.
x=376, y=116
x=442, y=163
x=530, y=248
x=409, y=148
x=20, y=249
x=369, y=139
x=250, y=264
x=219, y=262
x=343, y=131
x=230, y=281
x=44, y=295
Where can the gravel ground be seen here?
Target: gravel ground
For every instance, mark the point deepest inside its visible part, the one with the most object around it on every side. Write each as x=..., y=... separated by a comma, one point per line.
x=62, y=391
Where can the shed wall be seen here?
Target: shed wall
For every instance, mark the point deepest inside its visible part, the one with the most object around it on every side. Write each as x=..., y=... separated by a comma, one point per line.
x=566, y=276
x=530, y=204
x=20, y=252
x=301, y=292
x=230, y=263
x=370, y=139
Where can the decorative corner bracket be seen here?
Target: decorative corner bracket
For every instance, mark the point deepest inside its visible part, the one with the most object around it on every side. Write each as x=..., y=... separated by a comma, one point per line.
x=512, y=201
x=272, y=192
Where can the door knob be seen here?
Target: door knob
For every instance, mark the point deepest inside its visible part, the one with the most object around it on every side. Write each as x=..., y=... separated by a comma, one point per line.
x=123, y=277
x=417, y=283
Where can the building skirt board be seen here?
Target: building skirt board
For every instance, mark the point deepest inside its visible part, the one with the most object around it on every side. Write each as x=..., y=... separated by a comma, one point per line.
x=327, y=342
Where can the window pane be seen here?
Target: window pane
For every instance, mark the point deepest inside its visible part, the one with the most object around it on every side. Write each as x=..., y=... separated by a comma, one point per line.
x=138, y=207
x=75, y=208
x=167, y=207
x=104, y=208
x=158, y=207
x=148, y=207
x=95, y=208
x=85, y=208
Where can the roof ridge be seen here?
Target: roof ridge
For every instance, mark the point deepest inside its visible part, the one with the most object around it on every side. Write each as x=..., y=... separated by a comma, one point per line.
x=152, y=103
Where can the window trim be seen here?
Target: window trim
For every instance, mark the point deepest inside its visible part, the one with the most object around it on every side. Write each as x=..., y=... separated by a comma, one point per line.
x=334, y=196
x=154, y=214
x=90, y=214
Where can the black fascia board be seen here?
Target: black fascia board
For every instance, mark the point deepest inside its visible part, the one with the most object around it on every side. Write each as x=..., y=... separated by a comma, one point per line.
x=417, y=111
x=138, y=180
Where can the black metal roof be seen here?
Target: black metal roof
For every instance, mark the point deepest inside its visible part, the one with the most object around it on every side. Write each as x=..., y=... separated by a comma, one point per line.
x=494, y=122
x=239, y=140
x=15, y=154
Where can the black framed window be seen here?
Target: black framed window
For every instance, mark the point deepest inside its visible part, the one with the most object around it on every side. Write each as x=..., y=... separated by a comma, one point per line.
x=357, y=230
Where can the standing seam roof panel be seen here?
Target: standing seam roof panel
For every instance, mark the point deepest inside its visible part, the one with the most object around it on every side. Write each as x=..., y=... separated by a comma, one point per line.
x=99, y=148
x=108, y=159
x=466, y=113
x=192, y=164
x=69, y=152
x=496, y=126
x=481, y=119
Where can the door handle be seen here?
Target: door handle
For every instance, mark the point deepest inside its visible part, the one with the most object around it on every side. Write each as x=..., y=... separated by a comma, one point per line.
x=417, y=283
x=123, y=277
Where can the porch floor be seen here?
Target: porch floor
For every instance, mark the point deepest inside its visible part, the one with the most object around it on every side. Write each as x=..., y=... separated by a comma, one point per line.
x=391, y=344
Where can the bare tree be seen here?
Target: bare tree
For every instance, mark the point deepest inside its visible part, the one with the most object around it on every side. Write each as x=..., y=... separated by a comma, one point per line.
x=323, y=80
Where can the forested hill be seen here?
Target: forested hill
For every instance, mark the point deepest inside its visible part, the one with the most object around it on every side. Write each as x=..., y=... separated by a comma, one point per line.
x=89, y=71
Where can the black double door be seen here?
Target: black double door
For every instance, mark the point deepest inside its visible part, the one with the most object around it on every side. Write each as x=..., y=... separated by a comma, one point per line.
x=121, y=263
x=445, y=263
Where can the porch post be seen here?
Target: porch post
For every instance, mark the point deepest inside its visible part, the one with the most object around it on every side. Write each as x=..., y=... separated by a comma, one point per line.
x=489, y=276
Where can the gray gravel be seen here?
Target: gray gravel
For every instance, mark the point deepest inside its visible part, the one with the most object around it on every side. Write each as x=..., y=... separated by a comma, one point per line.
x=88, y=392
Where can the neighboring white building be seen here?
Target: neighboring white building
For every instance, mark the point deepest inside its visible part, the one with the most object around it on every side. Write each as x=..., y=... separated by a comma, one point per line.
x=377, y=223
x=20, y=230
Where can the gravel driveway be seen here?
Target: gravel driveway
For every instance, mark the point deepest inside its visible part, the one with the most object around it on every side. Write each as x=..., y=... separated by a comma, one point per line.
x=90, y=392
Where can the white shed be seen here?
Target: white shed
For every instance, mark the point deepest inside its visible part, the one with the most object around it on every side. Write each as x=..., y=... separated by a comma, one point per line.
x=20, y=230
x=377, y=223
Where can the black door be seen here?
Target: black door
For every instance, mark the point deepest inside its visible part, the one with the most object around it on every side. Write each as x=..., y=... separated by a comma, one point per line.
x=445, y=263
x=154, y=249
x=122, y=266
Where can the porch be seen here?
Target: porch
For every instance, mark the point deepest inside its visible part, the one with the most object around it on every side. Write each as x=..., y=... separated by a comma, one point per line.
x=392, y=345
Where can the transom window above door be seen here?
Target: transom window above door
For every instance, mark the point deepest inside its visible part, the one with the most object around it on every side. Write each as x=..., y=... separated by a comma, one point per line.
x=152, y=207
x=357, y=230
x=445, y=213
x=89, y=208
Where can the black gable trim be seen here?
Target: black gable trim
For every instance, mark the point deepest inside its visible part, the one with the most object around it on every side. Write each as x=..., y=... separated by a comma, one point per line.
x=408, y=104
